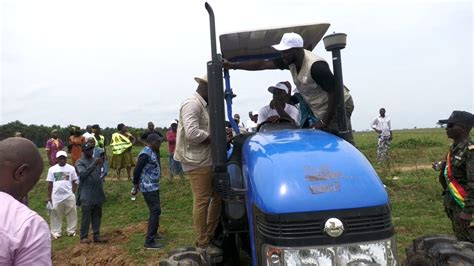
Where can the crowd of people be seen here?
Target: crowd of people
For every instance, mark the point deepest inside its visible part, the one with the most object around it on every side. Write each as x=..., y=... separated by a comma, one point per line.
x=26, y=236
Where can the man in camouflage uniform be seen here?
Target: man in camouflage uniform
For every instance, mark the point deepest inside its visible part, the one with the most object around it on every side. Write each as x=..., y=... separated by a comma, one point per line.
x=457, y=175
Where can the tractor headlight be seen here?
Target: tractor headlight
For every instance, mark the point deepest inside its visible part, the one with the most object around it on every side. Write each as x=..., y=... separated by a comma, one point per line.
x=369, y=253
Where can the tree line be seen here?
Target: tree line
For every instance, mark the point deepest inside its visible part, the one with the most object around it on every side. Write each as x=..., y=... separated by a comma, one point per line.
x=40, y=134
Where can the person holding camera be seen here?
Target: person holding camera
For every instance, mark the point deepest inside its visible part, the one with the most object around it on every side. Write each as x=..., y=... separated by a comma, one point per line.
x=91, y=194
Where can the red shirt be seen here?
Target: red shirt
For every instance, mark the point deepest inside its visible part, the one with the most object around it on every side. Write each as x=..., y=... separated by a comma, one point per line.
x=171, y=137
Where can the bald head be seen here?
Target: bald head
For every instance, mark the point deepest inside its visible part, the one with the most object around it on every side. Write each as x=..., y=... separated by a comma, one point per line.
x=20, y=166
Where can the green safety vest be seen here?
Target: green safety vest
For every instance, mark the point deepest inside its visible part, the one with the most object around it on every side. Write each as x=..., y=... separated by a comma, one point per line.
x=120, y=143
x=100, y=142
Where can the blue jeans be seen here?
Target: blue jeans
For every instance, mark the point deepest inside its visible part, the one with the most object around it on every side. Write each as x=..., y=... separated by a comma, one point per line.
x=175, y=166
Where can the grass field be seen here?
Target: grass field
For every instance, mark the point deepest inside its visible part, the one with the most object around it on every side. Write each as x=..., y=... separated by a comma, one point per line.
x=414, y=193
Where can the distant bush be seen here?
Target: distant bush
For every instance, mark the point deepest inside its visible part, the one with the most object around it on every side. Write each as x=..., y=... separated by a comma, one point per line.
x=40, y=134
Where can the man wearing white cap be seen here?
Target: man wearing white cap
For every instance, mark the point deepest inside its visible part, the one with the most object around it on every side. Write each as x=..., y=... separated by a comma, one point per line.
x=312, y=77
x=62, y=183
x=193, y=150
x=251, y=124
x=278, y=108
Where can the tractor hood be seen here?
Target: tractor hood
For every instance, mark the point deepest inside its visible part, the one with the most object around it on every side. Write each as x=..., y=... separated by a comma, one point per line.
x=304, y=170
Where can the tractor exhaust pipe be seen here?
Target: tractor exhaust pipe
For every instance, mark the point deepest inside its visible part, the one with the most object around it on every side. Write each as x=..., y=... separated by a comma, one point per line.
x=216, y=102
x=335, y=43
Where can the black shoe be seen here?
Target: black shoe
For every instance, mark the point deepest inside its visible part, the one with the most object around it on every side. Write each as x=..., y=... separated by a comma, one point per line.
x=100, y=240
x=154, y=246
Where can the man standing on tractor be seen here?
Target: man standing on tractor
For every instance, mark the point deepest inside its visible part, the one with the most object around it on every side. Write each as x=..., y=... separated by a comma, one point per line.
x=312, y=77
x=193, y=150
x=457, y=175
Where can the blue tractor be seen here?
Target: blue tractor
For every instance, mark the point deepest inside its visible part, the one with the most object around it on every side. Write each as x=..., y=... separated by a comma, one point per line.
x=293, y=196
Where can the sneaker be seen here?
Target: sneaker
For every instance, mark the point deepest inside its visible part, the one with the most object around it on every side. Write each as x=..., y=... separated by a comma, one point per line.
x=85, y=241
x=213, y=250
x=154, y=246
x=71, y=234
x=56, y=236
x=100, y=240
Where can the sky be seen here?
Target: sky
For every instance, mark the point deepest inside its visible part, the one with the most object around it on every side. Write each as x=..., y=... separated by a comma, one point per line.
x=109, y=62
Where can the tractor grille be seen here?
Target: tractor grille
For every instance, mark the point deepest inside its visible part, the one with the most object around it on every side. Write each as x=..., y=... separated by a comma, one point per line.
x=291, y=230
x=367, y=223
x=312, y=225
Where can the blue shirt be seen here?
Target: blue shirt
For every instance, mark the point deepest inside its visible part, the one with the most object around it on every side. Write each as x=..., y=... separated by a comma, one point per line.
x=147, y=172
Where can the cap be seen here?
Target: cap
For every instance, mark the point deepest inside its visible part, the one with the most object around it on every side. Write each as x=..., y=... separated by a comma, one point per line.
x=153, y=137
x=201, y=79
x=279, y=86
x=87, y=146
x=288, y=41
x=61, y=153
x=461, y=117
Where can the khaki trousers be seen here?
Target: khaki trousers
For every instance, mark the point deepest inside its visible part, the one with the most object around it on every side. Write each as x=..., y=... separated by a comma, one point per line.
x=206, y=204
x=66, y=208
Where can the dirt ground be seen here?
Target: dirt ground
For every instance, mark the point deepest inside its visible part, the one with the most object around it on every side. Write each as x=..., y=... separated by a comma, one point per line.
x=111, y=253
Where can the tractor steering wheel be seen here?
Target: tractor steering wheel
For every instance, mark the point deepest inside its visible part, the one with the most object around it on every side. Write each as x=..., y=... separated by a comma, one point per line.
x=280, y=120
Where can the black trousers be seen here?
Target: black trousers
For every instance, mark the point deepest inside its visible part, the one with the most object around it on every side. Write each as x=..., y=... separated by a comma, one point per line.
x=91, y=214
x=152, y=200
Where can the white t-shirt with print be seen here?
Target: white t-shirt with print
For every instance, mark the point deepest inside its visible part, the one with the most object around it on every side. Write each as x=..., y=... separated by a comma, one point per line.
x=62, y=178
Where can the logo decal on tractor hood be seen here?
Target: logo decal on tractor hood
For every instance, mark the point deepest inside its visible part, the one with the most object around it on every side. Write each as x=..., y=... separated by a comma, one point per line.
x=331, y=187
x=326, y=180
x=321, y=174
x=333, y=227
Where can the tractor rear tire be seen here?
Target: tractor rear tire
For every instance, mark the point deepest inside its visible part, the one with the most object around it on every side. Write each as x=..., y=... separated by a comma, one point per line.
x=186, y=257
x=439, y=250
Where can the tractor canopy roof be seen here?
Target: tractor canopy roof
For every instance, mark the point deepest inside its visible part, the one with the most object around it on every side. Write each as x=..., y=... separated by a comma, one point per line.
x=257, y=44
